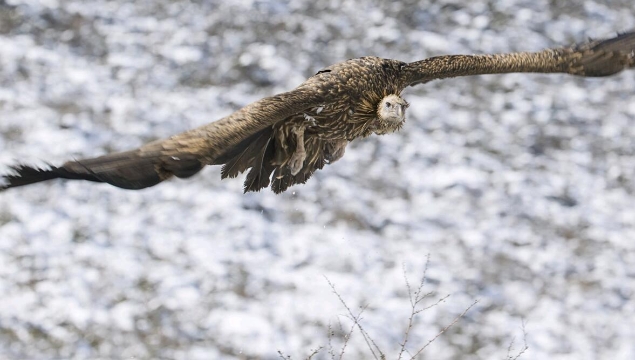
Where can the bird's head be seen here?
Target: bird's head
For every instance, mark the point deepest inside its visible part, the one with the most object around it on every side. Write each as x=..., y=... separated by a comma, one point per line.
x=391, y=113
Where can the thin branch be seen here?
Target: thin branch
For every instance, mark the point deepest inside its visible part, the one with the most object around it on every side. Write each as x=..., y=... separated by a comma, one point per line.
x=405, y=277
x=509, y=348
x=414, y=302
x=314, y=353
x=433, y=305
x=356, y=320
x=418, y=297
x=525, y=346
x=370, y=341
x=444, y=329
x=330, y=344
x=347, y=337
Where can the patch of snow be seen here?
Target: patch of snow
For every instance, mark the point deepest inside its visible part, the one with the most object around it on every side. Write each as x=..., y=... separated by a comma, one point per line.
x=519, y=186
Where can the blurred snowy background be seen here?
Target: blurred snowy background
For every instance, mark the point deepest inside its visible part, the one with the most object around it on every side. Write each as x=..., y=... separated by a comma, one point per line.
x=521, y=187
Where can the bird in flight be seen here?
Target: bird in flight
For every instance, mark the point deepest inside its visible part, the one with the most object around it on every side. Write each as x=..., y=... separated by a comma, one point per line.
x=283, y=139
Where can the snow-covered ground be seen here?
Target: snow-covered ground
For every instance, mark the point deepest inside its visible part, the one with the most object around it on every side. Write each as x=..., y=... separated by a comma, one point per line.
x=520, y=187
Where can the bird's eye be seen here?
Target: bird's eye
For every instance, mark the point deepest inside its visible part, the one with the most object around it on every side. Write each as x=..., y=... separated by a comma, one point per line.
x=388, y=104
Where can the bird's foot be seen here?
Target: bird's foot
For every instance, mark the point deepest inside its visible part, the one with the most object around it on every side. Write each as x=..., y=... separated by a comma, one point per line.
x=297, y=161
x=334, y=150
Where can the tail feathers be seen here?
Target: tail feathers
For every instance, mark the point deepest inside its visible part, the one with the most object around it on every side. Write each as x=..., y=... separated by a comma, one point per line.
x=266, y=156
x=128, y=170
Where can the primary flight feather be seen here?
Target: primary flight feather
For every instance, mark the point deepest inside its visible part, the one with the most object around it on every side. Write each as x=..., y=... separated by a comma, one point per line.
x=283, y=139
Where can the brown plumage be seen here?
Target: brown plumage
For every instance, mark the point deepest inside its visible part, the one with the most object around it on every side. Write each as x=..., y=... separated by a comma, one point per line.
x=285, y=138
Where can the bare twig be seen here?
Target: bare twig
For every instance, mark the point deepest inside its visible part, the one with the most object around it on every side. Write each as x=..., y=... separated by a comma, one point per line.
x=413, y=303
x=314, y=353
x=415, y=297
x=435, y=304
x=348, y=335
x=288, y=357
x=370, y=342
x=456, y=319
x=511, y=345
x=509, y=348
x=330, y=345
x=356, y=322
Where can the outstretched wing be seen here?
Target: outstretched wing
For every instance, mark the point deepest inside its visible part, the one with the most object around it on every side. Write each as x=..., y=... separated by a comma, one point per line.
x=596, y=58
x=181, y=155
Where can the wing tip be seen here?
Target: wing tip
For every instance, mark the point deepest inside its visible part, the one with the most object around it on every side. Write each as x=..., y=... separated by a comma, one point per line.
x=23, y=174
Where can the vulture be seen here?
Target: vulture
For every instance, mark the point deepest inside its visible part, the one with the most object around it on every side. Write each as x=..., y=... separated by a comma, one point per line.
x=283, y=139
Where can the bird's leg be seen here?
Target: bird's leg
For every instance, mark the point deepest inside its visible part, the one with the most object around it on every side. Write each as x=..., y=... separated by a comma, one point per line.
x=334, y=150
x=296, y=162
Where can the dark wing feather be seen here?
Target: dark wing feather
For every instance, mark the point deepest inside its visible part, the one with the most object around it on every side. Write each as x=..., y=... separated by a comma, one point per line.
x=246, y=153
x=258, y=176
x=604, y=57
x=21, y=175
x=597, y=58
x=281, y=180
x=181, y=155
x=131, y=171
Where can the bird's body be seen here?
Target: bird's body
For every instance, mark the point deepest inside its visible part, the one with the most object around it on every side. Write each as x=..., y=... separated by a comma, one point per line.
x=324, y=129
x=285, y=138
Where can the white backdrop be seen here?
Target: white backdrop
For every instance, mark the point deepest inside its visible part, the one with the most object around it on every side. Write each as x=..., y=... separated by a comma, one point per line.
x=520, y=187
